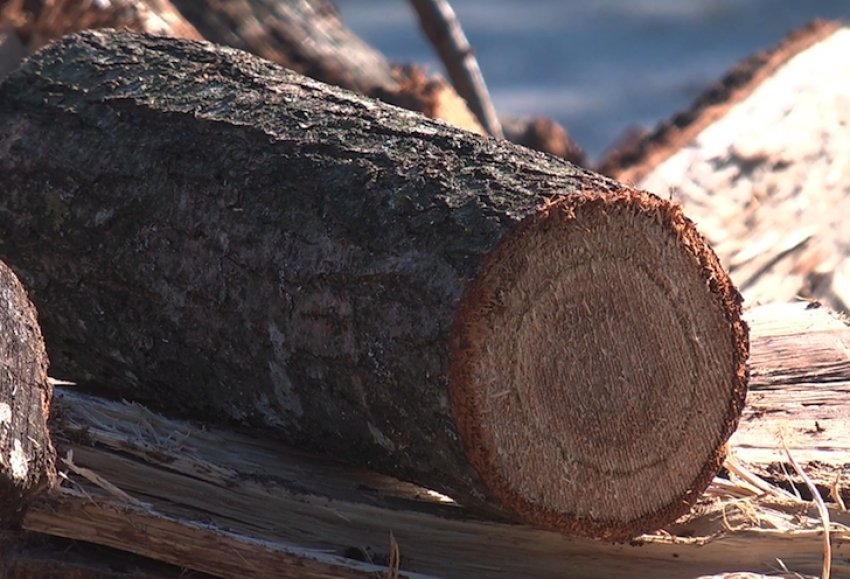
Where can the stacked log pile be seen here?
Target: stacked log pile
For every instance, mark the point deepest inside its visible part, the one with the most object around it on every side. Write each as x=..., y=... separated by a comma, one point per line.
x=561, y=356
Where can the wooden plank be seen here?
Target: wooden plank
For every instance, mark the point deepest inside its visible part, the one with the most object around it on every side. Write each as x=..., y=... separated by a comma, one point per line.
x=799, y=392
x=269, y=510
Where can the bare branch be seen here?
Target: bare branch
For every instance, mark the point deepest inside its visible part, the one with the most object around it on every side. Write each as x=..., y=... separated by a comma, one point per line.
x=443, y=29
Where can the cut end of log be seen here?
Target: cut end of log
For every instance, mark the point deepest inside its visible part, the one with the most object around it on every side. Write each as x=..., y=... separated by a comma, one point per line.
x=598, y=365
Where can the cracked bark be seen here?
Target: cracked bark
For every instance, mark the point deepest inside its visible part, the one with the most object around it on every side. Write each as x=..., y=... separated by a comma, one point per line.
x=26, y=453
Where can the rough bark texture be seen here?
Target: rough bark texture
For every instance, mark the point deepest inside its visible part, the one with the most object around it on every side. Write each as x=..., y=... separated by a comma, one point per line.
x=303, y=515
x=210, y=233
x=26, y=454
x=306, y=36
x=309, y=37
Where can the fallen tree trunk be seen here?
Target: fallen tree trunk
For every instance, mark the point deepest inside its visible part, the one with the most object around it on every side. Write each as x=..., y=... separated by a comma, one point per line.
x=220, y=237
x=195, y=496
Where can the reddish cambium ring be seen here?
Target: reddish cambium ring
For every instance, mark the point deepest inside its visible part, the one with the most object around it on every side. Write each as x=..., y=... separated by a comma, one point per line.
x=598, y=365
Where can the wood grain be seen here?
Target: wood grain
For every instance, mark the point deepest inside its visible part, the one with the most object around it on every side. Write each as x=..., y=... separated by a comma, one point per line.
x=243, y=493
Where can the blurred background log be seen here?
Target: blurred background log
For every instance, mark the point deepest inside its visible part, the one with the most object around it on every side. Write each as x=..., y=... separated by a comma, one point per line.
x=761, y=163
x=36, y=23
x=305, y=36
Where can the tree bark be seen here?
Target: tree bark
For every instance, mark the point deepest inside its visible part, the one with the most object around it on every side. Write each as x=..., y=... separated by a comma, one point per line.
x=215, y=235
x=309, y=37
x=26, y=454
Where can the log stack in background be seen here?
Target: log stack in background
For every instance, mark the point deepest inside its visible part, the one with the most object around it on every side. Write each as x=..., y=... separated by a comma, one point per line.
x=219, y=237
x=761, y=162
x=306, y=36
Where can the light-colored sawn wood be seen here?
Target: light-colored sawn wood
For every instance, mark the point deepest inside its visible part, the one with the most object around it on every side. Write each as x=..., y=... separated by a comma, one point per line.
x=238, y=506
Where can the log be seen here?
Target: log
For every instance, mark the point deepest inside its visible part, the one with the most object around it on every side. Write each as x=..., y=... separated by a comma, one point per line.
x=36, y=23
x=248, y=507
x=758, y=163
x=26, y=453
x=306, y=36
x=219, y=237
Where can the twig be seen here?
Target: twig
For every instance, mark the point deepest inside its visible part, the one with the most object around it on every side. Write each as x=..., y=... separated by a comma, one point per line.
x=735, y=467
x=98, y=480
x=822, y=510
x=443, y=29
x=395, y=558
x=835, y=492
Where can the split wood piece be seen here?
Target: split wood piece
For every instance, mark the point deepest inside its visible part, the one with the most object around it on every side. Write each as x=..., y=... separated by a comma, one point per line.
x=271, y=497
x=760, y=163
x=37, y=556
x=437, y=548
x=230, y=240
x=26, y=454
x=243, y=483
